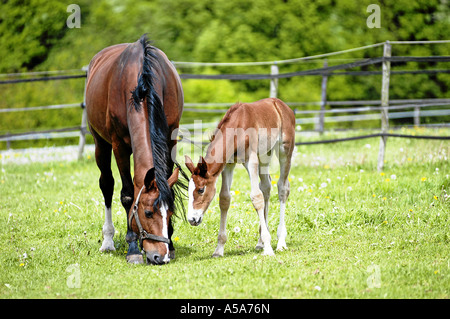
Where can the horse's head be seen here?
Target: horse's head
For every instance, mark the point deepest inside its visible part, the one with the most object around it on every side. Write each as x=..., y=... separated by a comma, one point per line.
x=202, y=188
x=150, y=221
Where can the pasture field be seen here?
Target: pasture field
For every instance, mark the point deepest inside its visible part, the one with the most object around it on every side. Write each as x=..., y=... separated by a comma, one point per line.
x=353, y=232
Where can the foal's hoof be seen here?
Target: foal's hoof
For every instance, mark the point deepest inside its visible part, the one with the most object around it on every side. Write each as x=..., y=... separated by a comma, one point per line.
x=268, y=252
x=135, y=259
x=107, y=245
x=259, y=246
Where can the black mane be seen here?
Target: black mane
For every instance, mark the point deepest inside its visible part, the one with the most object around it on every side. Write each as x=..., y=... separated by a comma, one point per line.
x=158, y=127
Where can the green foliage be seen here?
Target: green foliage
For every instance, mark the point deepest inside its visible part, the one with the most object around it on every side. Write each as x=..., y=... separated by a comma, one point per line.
x=34, y=36
x=28, y=31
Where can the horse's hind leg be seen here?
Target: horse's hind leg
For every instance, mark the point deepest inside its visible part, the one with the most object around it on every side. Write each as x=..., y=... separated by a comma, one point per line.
x=257, y=198
x=106, y=181
x=283, y=185
x=265, y=186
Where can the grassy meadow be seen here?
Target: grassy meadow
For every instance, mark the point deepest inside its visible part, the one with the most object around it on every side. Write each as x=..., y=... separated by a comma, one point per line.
x=353, y=232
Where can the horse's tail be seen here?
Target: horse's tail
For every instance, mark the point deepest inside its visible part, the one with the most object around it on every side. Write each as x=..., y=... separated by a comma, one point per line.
x=158, y=127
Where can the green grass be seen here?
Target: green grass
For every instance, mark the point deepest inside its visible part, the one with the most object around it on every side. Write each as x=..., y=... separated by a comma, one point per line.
x=352, y=232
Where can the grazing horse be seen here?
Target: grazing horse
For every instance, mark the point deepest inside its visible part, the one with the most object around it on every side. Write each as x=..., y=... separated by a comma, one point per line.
x=134, y=101
x=247, y=134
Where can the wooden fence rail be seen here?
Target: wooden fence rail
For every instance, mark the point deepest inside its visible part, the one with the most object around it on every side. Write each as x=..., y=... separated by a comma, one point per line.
x=384, y=106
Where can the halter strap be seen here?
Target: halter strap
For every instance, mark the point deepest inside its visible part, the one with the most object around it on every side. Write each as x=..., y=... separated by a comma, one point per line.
x=142, y=232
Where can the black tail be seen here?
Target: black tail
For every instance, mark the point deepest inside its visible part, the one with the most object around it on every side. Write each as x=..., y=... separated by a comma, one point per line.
x=159, y=129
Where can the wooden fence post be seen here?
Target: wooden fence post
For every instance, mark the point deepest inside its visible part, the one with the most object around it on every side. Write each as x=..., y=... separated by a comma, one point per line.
x=384, y=104
x=323, y=99
x=83, y=128
x=416, y=116
x=273, y=81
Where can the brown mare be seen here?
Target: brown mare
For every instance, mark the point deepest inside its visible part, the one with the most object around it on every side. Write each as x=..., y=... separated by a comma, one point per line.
x=134, y=101
x=248, y=134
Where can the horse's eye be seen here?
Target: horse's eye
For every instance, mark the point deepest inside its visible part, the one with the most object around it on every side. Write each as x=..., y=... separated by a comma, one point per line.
x=148, y=213
x=201, y=190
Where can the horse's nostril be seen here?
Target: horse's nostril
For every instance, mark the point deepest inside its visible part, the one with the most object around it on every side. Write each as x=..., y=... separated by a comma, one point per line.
x=154, y=258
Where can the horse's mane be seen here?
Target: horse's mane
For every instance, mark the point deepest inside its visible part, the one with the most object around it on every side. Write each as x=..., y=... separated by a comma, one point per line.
x=158, y=127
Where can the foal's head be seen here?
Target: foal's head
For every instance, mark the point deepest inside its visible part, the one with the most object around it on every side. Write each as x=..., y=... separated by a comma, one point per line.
x=202, y=188
x=155, y=219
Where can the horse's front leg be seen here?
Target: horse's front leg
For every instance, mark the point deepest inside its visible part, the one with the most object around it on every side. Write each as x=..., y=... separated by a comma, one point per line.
x=224, y=204
x=122, y=154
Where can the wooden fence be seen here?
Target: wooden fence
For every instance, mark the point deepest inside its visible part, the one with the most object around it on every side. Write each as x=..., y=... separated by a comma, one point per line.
x=383, y=107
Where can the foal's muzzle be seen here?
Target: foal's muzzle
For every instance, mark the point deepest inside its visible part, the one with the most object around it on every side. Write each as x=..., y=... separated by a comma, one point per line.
x=195, y=220
x=195, y=217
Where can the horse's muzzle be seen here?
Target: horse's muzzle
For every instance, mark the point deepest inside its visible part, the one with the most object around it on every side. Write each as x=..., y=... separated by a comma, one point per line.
x=155, y=258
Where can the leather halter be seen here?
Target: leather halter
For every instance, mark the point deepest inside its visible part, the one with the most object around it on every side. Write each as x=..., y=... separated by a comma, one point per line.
x=142, y=232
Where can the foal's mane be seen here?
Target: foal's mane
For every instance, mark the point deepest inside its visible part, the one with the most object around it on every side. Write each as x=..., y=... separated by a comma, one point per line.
x=158, y=127
x=225, y=119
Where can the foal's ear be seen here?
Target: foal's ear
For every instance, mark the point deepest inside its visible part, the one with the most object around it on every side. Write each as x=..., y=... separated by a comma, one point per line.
x=203, y=168
x=189, y=164
x=149, y=179
x=174, y=177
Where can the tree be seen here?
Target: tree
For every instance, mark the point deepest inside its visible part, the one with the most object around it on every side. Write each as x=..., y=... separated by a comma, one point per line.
x=28, y=31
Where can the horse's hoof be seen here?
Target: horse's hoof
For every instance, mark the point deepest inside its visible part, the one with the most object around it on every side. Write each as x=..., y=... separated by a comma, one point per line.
x=135, y=259
x=217, y=255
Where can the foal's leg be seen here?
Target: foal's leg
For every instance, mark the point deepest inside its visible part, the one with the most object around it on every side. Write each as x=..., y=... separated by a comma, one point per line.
x=224, y=204
x=257, y=198
x=265, y=186
x=106, y=181
x=283, y=185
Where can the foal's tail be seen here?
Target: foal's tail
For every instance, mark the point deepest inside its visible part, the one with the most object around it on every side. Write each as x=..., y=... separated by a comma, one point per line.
x=158, y=127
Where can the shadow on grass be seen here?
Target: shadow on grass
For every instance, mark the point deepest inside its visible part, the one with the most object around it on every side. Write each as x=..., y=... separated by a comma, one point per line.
x=122, y=247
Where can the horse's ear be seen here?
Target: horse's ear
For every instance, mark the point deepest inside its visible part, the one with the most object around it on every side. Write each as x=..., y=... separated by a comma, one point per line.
x=203, y=168
x=149, y=178
x=174, y=177
x=189, y=164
